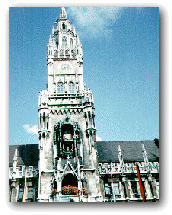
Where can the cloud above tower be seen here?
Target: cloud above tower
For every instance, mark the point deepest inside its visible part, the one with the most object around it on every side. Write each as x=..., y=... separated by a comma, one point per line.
x=32, y=130
x=98, y=138
x=94, y=21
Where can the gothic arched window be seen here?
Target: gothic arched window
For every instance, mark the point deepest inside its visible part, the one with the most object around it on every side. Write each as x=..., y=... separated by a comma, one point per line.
x=63, y=26
x=64, y=41
x=71, y=42
x=71, y=87
x=60, y=87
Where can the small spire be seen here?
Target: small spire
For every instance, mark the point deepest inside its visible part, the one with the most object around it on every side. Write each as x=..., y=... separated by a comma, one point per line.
x=74, y=32
x=78, y=41
x=63, y=14
x=53, y=30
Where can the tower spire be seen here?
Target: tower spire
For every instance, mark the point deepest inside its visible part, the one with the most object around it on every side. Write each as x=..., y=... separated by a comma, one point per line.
x=63, y=14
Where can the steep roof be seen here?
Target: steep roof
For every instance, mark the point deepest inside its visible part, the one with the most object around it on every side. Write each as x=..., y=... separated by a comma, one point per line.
x=131, y=151
x=27, y=154
x=107, y=152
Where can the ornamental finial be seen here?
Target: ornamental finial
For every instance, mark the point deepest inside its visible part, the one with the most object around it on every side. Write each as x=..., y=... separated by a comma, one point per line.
x=63, y=14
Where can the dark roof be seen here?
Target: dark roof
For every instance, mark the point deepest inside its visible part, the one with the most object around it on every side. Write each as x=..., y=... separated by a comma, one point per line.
x=131, y=151
x=27, y=154
x=107, y=152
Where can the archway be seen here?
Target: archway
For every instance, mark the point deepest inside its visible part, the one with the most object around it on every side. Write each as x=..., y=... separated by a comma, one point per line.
x=69, y=180
x=69, y=185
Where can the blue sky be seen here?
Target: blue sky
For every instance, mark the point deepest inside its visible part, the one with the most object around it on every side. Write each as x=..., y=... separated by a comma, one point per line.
x=121, y=67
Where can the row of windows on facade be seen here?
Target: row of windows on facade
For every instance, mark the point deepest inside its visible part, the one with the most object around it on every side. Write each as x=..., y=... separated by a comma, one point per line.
x=65, y=41
x=63, y=52
x=65, y=27
x=60, y=87
x=114, y=189
x=110, y=190
x=30, y=193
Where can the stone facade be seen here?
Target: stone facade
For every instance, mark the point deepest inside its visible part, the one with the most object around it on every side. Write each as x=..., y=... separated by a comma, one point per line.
x=67, y=130
x=68, y=164
x=119, y=178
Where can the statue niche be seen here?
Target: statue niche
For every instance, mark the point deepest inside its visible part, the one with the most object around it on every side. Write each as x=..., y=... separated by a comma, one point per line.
x=66, y=137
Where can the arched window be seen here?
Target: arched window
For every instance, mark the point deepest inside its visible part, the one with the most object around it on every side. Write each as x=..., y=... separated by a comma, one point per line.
x=71, y=42
x=71, y=88
x=64, y=41
x=60, y=87
x=67, y=52
x=69, y=180
x=61, y=52
x=63, y=26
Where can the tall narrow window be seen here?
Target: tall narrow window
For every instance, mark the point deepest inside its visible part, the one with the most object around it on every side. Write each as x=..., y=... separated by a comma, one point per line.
x=30, y=192
x=61, y=52
x=60, y=87
x=43, y=116
x=134, y=189
x=116, y=189
x=71, y=88
x=107, y=189
x=63, y=26
x=67, y=52
x=71, y=42
x=64, y=41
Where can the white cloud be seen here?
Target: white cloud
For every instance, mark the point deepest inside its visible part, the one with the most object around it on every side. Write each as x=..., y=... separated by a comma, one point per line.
x=98, y=138
x=94, y=21
x=32, y=130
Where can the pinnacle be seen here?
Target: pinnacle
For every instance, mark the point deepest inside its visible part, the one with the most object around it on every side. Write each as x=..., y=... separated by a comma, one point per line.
x=63, y=14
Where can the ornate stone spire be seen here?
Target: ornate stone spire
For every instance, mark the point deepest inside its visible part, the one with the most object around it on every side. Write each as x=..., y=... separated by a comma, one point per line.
x=63, y=14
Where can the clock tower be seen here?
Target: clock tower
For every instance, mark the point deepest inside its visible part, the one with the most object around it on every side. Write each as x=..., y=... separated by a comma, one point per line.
x=67, y=130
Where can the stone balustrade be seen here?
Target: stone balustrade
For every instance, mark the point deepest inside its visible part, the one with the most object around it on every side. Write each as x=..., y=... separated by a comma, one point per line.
x=20, y=172
x=107, y=168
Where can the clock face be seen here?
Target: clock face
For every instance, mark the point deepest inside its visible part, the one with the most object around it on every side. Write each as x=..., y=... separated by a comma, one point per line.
x=65, y=66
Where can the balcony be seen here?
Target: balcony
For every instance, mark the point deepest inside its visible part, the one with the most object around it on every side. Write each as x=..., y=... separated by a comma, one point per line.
x=20, y=172
x=107, y=168
x=69, y=194
x=69, y=190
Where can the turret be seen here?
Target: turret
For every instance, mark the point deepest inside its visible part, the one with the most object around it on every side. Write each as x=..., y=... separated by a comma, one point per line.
x=67, y=130
x=64, y=42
